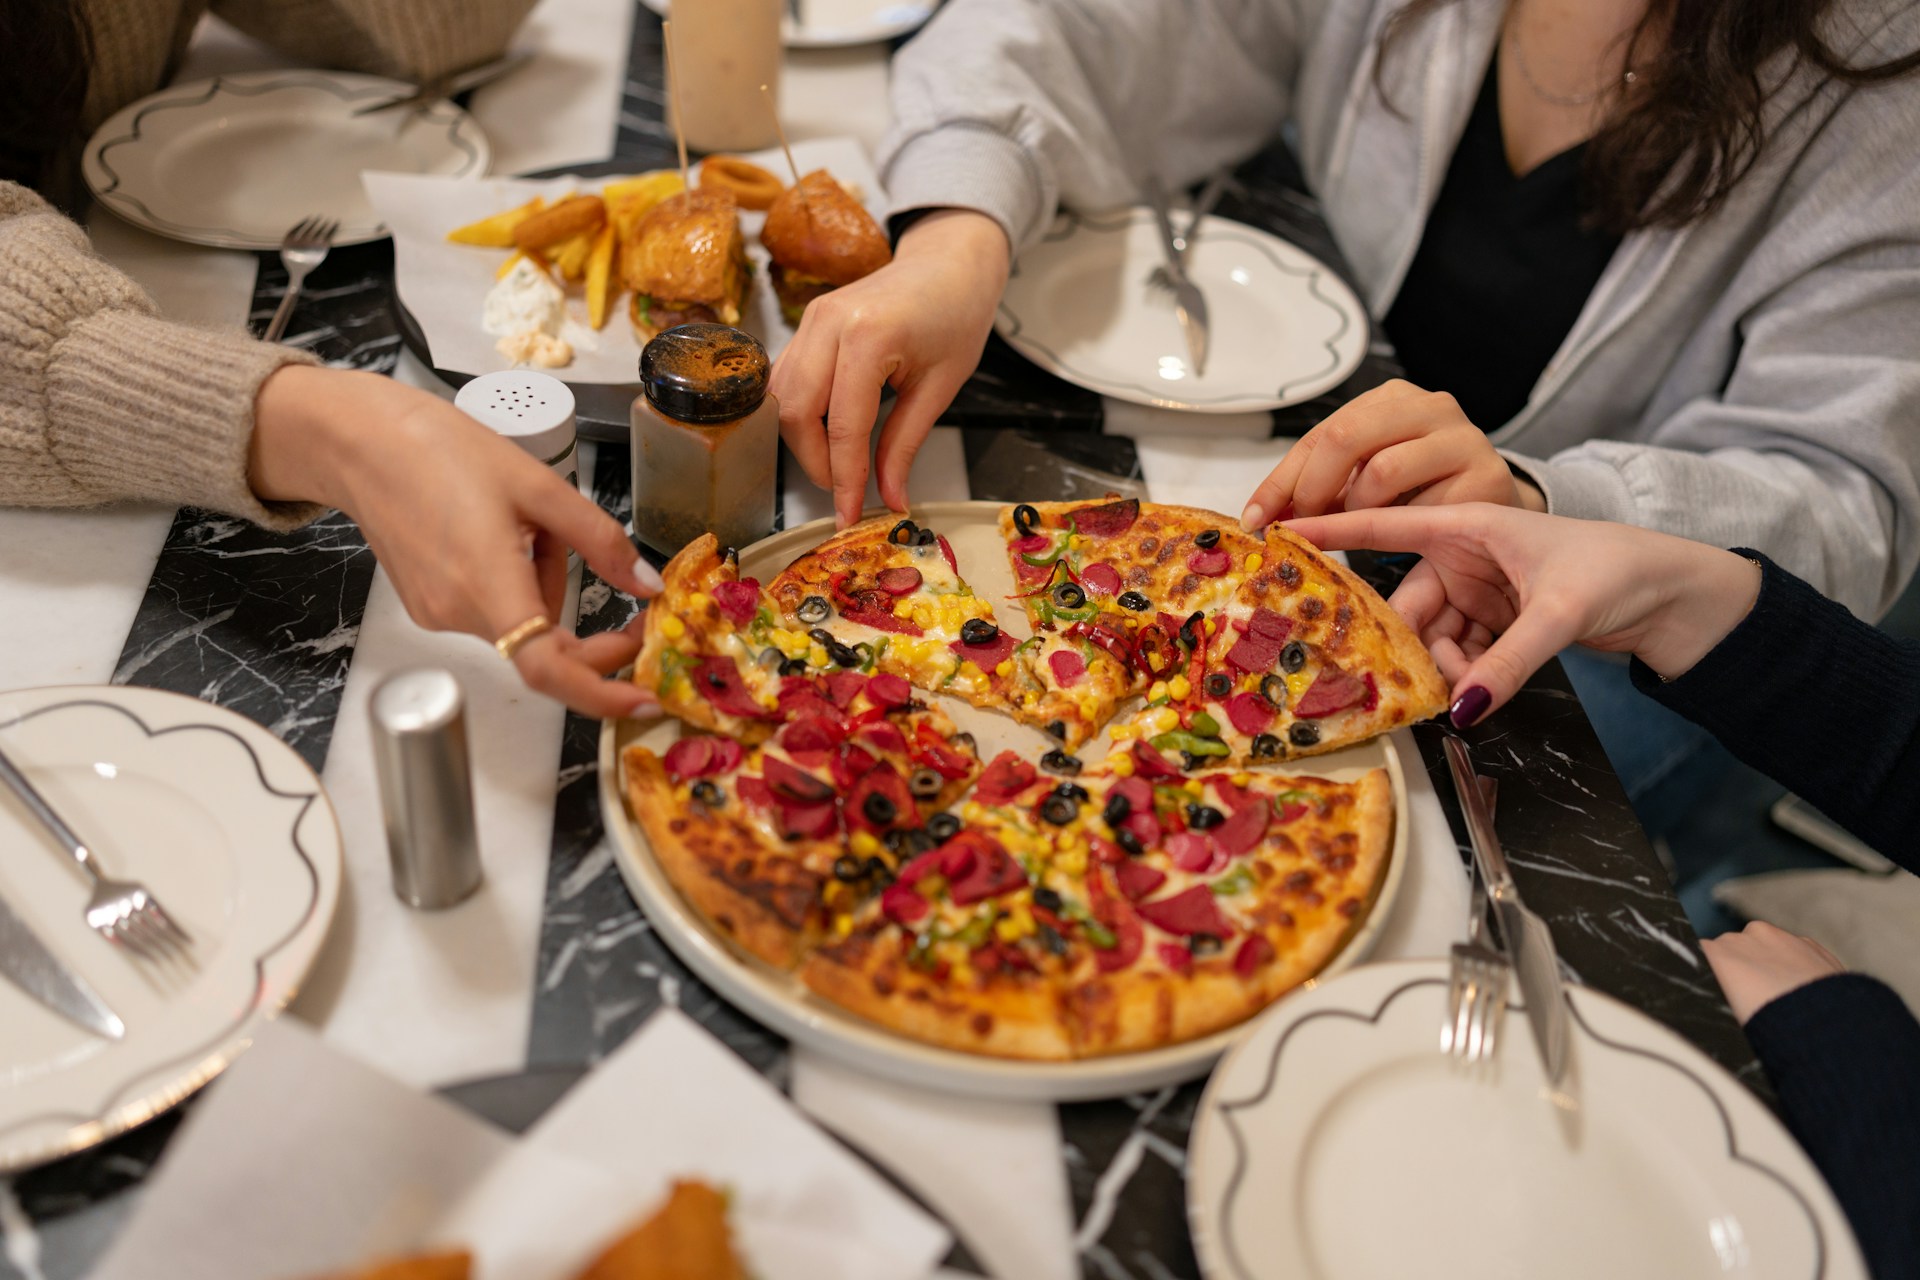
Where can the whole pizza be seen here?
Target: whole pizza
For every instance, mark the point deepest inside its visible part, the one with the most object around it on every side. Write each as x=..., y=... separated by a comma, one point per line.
x=825, y=816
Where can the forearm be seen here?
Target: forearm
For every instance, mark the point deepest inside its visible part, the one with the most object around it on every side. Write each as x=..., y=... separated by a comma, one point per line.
x=1844, y=1057
x=1818, y=700
x=1012, y=109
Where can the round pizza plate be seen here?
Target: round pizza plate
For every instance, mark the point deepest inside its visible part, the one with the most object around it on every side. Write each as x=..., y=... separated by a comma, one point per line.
x=783, y=1003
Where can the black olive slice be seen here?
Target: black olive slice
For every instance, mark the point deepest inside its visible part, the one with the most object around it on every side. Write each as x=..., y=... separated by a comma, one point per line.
x=907, y=842
x=1118, y=807
x=1024, y=518
x=1203, y=944
x=1189, y=761
x=1072, y=791
x=1207, y=539
x=1265, y=745
x=1068, y=595
x=903, y=534
x=1057, y=728
x=977, y=631
x=1129, y=841
x=925, y=783
x=1059, y=810
x=1190, y=629
x=730, y=555
x=1218, y=685
x=1134, y=600
x=1058, y=761
x=1274, y=690
x=1303, y=733
x=794, y=667
x=709, y=794
x=1049, y=936
x=847, y=869
x=925, y=538
x=879, y=810
x=943, y=827
x=1046, y=899
x=1204, y=817
x=814, y=609
x=1293, y=657
x=965, y=742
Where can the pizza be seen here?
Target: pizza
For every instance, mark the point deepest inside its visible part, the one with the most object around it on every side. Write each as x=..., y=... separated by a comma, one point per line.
x=826, y=816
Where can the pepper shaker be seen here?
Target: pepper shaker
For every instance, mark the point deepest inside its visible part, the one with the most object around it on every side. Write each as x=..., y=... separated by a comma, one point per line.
x=426, y=786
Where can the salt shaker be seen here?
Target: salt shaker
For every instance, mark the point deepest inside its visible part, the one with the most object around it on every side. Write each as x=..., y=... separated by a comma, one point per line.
x=426, y=786
x=534, y=410
x=706, y=438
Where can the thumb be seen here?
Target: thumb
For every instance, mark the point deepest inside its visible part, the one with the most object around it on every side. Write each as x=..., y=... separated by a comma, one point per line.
x=1496, y=675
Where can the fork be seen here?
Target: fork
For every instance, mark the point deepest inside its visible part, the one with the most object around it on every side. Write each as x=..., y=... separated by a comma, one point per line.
x=1209, y=196
x=304, y=248
x=121, y=911
x=1477, y=980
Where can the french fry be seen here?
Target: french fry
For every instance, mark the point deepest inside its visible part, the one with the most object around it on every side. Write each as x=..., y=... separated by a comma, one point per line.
x=600, y=277
x=569, y=218
x=496, y=232
x=658, y=185
x=570, y=256
x=501, y=273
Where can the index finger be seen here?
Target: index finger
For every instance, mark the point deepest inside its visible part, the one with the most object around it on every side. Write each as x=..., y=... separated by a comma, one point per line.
x=856, y=403
x=1416, y=529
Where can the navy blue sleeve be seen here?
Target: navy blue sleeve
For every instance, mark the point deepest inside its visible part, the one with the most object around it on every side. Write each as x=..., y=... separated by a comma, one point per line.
x=1844, y=1057
x=1818, y=700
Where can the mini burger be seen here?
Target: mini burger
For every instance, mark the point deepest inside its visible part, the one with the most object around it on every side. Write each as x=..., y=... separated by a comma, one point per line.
x=820, y=238
x=687, y=263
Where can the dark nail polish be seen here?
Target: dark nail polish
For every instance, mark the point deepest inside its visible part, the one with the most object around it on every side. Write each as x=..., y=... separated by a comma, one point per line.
x=1469, y=706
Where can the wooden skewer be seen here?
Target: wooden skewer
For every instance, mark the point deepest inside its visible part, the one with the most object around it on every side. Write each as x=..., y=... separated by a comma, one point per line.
x=679, y=116
x=774, y=111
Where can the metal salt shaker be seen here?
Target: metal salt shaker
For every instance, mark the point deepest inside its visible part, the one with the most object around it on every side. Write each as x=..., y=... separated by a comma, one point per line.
x=426, y=786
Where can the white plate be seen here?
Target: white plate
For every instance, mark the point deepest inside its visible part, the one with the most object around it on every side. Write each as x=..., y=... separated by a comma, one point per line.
x=232, y=833
x=1335, y=1142
x=235, y=161
x=835, y=24
x=783, y=1003
x=1282, y=327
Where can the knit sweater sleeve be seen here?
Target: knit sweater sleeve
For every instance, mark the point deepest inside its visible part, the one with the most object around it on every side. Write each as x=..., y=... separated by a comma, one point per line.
x=1818, y=700
x=415, y=40
x=1844, y=1055
x=101, y=399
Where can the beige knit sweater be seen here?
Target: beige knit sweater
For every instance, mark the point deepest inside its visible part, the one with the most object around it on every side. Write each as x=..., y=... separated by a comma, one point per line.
x=100, y=398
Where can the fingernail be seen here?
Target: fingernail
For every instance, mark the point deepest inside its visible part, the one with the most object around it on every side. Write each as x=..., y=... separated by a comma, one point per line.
x=1469, y=706
x=1253, y=517
x=648, y=577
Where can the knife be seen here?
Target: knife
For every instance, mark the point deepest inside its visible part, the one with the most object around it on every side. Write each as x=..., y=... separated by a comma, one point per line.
x=1529, y=941
x=26, y=962
x=1189, y=304
x=451, y=85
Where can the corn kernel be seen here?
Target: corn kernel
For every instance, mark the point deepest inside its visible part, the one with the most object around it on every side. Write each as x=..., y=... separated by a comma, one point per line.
x=1242, y=779
x=1157, y=691
x=1006, y=930
x=1121, y=732
x=672, y=628
x=974, y=811
x=1005, y=669
x=1193, y=788
x=961, y=972
x=816, y=655
x=1213, y=626
x=1022, y=914
x=699, y=601
x=1254, y=561
x=1121, y=766
x=864, y=843
x=1179, y=687
x=1163, y=719
x=842, y=926
x=1077, y=541
x=903, y=608
x=1072, y=861
x=1297, y=685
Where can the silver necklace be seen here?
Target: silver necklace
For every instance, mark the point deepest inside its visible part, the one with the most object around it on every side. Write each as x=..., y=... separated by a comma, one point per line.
x=1541, y=91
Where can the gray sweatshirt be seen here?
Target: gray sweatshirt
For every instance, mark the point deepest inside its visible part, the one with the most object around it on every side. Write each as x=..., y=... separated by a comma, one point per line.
x=1752, y=379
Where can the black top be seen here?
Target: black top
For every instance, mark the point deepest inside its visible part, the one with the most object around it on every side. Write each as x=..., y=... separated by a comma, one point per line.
x=1502, y=272
x=1809, y=694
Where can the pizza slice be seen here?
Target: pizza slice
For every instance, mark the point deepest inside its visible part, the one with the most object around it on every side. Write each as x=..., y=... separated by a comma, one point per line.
x=707, y=652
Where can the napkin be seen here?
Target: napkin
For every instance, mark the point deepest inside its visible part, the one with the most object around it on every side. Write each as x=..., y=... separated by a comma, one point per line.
x=302, y=1159
x=444, y=285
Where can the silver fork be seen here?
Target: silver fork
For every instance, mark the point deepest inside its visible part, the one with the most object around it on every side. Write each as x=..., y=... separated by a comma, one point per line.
x=1183, y=240
x=304, y=248
x=121, y=911
x=1477, y=979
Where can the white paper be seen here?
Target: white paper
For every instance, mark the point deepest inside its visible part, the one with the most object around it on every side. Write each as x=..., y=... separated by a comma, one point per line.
x=303, y=1160
x=444, y=285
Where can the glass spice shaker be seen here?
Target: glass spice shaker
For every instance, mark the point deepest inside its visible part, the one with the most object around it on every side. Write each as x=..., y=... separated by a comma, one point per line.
x=706, y=438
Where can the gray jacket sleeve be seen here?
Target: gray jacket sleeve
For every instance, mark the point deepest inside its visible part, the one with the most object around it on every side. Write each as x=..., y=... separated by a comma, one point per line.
x=1810, y=452
x=1015, y=107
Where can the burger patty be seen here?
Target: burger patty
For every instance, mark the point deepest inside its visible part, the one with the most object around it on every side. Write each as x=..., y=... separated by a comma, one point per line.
x=795, y=291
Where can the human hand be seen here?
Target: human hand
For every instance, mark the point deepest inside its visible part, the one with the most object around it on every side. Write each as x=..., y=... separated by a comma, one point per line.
x=472, y=531
x=919, y=323
x=1759, y=964
x=1499, y=591
x=1395, y=444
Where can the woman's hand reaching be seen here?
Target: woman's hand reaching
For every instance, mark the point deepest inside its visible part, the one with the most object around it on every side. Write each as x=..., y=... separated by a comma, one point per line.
x=473, y=532
x=1499, y=591
x=1760, y=964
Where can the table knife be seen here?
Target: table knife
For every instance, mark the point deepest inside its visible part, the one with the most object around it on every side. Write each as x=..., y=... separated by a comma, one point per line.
x=26, y=962
x=451, y=85
x=1529, y=942
x=1189, y=304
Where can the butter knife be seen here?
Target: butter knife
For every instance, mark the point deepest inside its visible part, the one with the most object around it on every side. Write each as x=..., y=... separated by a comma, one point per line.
x=1529, y=942
x=1189, y=304
x=26, y=962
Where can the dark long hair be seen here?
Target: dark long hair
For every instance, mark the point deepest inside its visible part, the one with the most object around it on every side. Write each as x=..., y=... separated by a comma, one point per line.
x=1693, y=122
x=45, y=61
